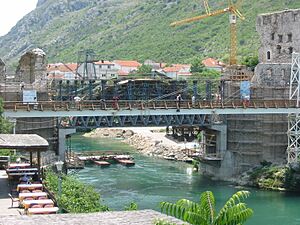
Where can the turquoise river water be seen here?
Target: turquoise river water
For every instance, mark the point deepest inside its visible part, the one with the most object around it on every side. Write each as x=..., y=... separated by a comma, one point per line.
x=151, y=181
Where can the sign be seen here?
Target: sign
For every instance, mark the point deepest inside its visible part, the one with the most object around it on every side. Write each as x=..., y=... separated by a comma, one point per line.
x=245, y=90
x=29, y=96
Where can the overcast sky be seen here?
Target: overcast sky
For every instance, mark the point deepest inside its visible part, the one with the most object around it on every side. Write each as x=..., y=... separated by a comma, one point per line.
x=11, y=11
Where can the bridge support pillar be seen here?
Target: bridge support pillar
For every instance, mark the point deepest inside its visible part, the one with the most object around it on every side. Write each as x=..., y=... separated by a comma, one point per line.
x=62, y=133
x=221, y=144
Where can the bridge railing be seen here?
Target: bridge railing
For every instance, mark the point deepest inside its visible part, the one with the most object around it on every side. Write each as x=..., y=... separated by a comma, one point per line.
x=142, y=105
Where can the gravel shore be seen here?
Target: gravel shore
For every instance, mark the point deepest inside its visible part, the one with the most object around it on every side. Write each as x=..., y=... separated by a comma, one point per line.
x=150, y=141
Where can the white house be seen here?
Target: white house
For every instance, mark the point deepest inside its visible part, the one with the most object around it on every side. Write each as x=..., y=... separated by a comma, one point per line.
x=178, y=71
x=126, y=67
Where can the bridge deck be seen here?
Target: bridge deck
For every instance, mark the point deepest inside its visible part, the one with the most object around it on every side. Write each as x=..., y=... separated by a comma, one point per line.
x=137, y=108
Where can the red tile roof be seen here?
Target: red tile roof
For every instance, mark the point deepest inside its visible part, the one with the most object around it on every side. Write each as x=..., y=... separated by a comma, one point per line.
x=171, y=69
x=210, y=62
x=104, y=62
x=55, y=76
x=125, y=63
x=181, y=66
x=67, y=67
x=122, y=73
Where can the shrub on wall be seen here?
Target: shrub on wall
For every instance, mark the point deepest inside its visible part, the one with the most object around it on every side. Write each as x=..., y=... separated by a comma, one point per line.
x=76, y=197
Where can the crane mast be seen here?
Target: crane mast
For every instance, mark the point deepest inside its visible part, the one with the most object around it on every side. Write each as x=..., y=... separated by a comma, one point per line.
x=234, y=13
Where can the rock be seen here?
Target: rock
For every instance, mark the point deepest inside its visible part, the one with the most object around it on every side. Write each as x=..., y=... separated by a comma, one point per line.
x=143, y=144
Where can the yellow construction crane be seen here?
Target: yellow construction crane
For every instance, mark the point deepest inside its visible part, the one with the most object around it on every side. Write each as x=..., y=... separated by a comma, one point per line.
x=234, y=13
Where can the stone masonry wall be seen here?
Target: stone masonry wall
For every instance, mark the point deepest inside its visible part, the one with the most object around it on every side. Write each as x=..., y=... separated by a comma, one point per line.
x=280, y=36
x=32, y=67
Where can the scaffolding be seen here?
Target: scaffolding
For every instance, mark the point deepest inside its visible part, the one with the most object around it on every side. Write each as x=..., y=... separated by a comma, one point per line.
x=293, y=149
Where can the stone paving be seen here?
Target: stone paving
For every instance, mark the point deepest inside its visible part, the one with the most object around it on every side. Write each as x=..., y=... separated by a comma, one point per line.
x=5, y=201
x=141, y=217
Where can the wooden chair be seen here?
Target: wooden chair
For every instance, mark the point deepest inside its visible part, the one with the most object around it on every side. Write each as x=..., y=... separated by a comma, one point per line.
x=36, y=182
x=42, y=197
x=37, y=190
x=49, y=206
x=36, y=206
x=29, y=198
x=14, y=200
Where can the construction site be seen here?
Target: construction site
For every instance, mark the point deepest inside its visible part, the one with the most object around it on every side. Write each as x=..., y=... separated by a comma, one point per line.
x=239, y=143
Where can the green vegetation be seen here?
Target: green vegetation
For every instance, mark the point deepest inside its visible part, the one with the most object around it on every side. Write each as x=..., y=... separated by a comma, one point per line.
x=163, y=222
x=272, y=177
x=131, y=207
x=203, y=213
x=76, y=197
x=250, y=62
x=144, y=70
x=137, y=30
x=5, y=126
x=7, y=152
x=197, y=66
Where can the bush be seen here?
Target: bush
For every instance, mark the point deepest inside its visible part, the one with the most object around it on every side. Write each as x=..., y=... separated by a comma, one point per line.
x=132, y=207
x=76, y=197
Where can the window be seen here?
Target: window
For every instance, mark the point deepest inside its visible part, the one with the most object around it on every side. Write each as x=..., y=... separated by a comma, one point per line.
x=290, y=50
x=280, y=38
x=108, y=66
x=269, y=72
x=278, y=49
x=112, y=75
x=268, y=55
x=103, y=75
x=290, y=38
x=273, y=36
x=295, y=17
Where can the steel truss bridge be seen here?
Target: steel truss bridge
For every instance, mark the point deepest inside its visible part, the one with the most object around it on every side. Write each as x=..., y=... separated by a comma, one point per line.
x=93, y=114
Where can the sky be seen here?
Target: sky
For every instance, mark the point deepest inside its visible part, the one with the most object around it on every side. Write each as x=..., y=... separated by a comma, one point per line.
x=11, y=11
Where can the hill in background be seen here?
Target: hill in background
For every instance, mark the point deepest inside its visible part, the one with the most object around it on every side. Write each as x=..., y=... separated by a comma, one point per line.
x=133, y=29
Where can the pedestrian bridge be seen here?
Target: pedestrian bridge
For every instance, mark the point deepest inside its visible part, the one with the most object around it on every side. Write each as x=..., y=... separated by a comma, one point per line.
x=90, y=114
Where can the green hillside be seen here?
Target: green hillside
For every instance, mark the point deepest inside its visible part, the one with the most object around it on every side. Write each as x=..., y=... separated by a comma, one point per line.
x=133, y=29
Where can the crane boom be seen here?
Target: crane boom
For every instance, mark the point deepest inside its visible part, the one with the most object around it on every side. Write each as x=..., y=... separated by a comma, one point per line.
x=234, y=12
x=207, y=9
x=196, y=18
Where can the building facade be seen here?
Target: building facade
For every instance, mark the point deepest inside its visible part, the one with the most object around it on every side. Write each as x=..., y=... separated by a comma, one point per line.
x=280, y=36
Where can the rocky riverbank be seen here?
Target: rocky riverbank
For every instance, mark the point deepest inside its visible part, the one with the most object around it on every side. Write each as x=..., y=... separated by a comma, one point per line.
x=150, y=142
x=273, y=177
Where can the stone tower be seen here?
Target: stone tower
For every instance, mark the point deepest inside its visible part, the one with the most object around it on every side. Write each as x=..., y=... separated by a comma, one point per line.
x=280, y=37
x=32, y=67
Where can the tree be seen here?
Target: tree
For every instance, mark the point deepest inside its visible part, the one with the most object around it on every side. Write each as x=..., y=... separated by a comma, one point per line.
x=250, y=61
x=197, y=66
x=144, y=70
x=234, y=212
x=5, y=126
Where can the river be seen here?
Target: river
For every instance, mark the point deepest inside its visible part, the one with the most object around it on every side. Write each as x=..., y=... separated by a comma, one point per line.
x=153, y=180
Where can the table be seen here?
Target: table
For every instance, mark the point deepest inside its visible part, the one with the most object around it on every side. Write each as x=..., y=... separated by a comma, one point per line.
x=21, y=170
x=31, y=211
x=21, y=187
x=33, y=195
x=22, y=174
x=28, y=203
x=18, y=165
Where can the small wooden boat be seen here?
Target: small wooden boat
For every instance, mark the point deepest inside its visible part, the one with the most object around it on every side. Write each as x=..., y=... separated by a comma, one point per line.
x=126, y=162
x=102, y=163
